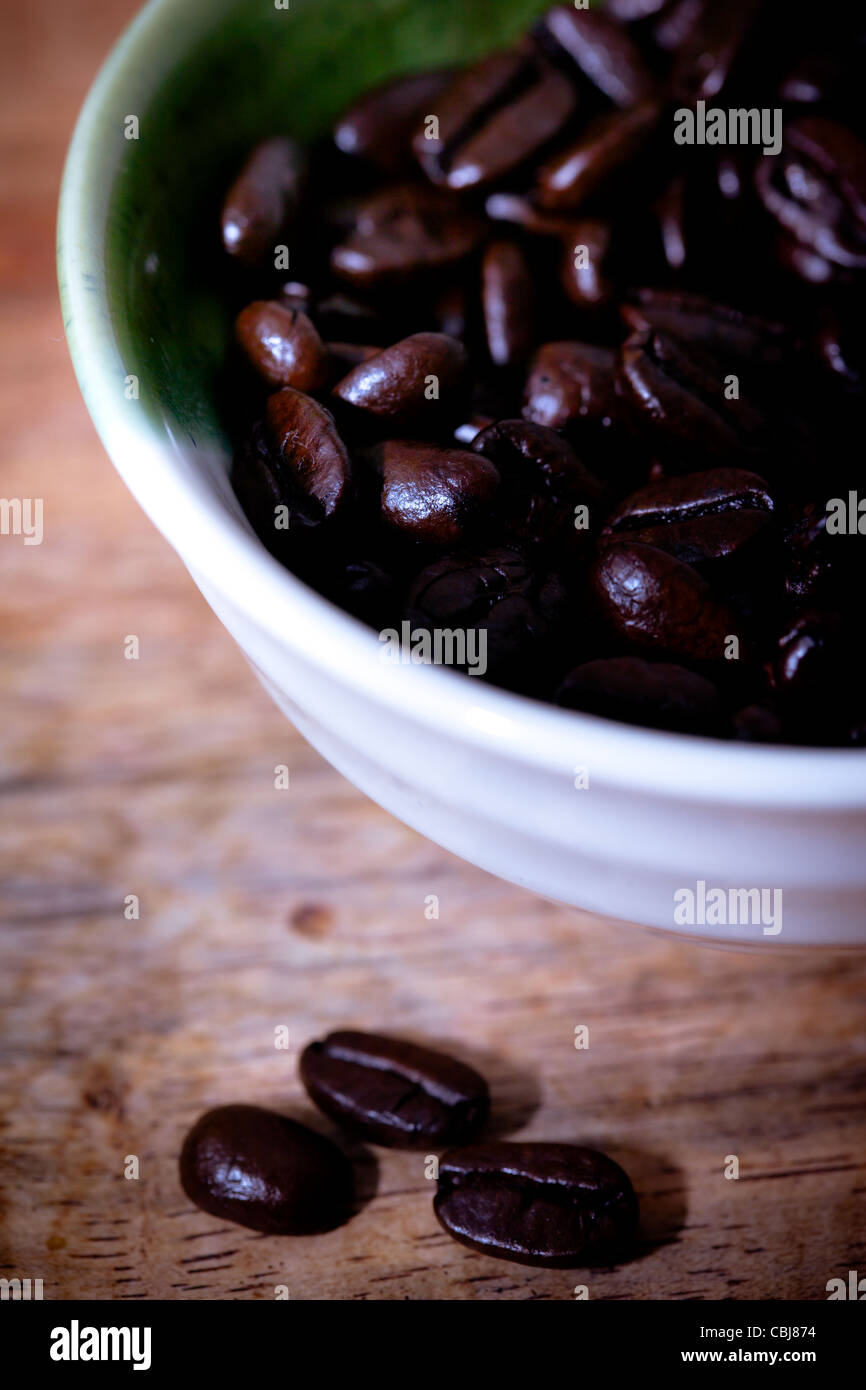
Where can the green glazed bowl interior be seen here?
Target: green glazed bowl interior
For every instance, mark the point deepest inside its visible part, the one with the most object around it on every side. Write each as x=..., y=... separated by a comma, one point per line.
x=209, y=79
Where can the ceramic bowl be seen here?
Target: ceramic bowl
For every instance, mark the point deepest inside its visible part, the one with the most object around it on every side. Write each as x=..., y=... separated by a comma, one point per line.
x=719, y=842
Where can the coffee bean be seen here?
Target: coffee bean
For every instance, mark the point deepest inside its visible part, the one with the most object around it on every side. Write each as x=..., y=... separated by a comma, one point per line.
x=816, y=188
x=311, y=454
x=610, y=142
x=493, y=117
x=692, y=495
x=571, y=382
x=262, y=201
x=251, y=1166
x=430, y=494
x=660, y=604
x=416, y=381
x=282, y=345
x=654, y=694
x=710, y=48
x=602, y=50
x=508, y=300
x=555, y=1205
x=543, y=479
x=380, y=125
x=403, y=231
x=720, y=331
x=394, y=1092
x=585, y=251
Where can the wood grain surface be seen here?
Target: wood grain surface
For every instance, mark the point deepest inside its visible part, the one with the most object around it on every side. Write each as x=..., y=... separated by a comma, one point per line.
x=305, y=908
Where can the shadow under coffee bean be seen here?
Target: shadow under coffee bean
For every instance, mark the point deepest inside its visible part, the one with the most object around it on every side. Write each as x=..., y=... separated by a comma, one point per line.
x=544, y=372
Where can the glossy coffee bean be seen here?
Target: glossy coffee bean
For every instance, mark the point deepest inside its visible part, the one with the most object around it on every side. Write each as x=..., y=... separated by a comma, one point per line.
x=310, y=451
x=555, y=1205
x=380, y=125
x=660, y=604
x=610, y=142
x=543, y=479
x=654, y=694
x=416, y=381
x=492, y=118
x=585, y=251
x=282, y=345
x=723, y=332
x=570, y=382
x=394, y=1092
x=508, y=302
x=259, y=1169
x=262, y=202
x=602, y=50
x=403, y=231
x=816, y=189
x=692, y=495
x=430, y=494
x=710, y=47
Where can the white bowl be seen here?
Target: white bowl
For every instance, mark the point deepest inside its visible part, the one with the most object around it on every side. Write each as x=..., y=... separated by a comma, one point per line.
x=489, y=775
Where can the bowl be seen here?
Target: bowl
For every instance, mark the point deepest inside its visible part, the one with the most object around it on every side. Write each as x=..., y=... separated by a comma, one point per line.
x=744, y=844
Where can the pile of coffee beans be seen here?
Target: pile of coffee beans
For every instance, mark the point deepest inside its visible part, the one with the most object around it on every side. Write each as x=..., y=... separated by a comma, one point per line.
x=569, y=352
x=556, y=1205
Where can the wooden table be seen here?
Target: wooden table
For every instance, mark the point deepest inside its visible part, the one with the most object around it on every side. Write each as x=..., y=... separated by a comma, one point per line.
x=261, y=908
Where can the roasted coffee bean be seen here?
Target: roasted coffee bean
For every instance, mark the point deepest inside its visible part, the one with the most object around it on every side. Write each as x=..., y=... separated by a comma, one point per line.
x=244, y=1164
x=311, y=454
x=508, y=300
x=692, y=495
x=345, y=357
x=679, y=396
x=417, y=380
x=282, y=345
x=430, y=494
x=543, y=479
x=583, y=268
x=556, y=1205
x=710, y=48
x=610, y=142
x=816, y=189
x=294, y=294
x=380, y=125
x=602, y=50
x=520, y=211
x=262, y=489
x=629, y=11
x=493, y=117
x=720, y=331
x=654, y=694
x=262, y=202
x=757, y=724
x=403, y=231
x=659, y=604
x=394, y=1092
x=569, y=382
x=675, y=23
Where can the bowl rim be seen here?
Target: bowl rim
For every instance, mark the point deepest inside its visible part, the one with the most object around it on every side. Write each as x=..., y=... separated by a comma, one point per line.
x=222, y=549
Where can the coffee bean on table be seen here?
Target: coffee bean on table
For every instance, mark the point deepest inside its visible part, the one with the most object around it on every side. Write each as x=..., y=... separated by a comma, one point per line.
x=282, y=345
x=263, y=200
x=394, y=1092
x=248, y=1165
x=555, y=1205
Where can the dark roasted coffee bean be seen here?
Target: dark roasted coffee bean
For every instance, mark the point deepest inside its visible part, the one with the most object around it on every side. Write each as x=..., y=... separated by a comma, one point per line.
x=660, y=604
x=520, y=211
x=679, y=396
x=294, y=294
x=757, y=724
x=670, y=209
x=723, y=332
x=675, y=23
x=569, y=382
x=403, y=231
x=816, y=189
x=344, y=357
x=394, y=1092
x=543, y=479
x=583, y=268
x=263, y=490
x=610, y=142
x=380, y=126
x=602, y=50
x=417, y=380
x=451, y=312
x=244, y=1164
x=692, y=495
x=493, y=117
x=508, y=301
x=262, y=202
x=655, y=694
x=629, y=11
x=282, y=345
x=310, y=451
x=710, y=48
x=538, y=1204
x=432, y=494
